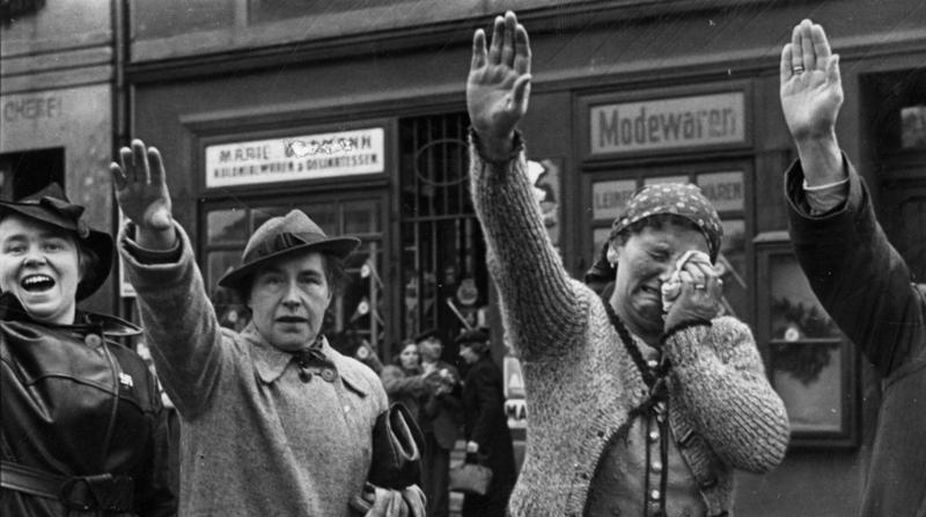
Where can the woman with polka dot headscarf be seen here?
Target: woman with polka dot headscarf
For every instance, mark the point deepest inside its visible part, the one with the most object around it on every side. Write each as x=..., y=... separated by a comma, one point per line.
x=642, y=403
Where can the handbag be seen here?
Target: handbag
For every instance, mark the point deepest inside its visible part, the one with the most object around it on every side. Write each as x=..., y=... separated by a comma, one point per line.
x=470, y=478
x=397, y=449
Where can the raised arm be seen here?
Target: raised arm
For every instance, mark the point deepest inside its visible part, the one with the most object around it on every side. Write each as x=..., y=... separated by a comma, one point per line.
x=859, y=278
x=540, y=304
x=179, y=322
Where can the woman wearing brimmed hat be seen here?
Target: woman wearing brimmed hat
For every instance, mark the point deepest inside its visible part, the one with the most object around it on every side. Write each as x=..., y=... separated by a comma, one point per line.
x=274, y=420
x=82, y=426
x=642, y=404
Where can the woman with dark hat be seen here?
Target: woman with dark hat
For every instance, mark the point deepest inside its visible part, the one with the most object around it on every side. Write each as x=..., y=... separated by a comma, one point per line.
x=83, y=431
x=274, y=420
x=644, y=403
x=485, y=426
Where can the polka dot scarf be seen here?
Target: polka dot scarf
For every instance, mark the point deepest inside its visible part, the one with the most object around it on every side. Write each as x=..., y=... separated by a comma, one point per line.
x=681, y=199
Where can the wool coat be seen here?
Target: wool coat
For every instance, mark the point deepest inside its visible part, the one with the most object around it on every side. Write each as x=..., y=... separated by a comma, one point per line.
x=580, y=382
x=257, y=438
x=865, y=286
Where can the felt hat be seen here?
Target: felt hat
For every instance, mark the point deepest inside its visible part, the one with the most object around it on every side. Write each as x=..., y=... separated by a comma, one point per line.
x=477, y=339
x=51, y=206
x=280, y=237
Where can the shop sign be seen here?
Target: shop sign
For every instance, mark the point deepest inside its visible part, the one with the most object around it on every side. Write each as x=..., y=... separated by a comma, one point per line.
x=661, y=124
x=609, y=198
x=31, y=108
x=308, y=157
x=725, y=190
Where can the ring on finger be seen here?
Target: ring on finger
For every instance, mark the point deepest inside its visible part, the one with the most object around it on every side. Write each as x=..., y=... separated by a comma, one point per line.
x=699, y=286
x=797, y=69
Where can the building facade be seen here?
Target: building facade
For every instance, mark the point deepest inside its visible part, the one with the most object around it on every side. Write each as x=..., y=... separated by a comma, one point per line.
x=355, y=112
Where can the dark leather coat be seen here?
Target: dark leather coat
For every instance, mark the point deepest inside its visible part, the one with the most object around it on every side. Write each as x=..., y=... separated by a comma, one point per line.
x=75, y=403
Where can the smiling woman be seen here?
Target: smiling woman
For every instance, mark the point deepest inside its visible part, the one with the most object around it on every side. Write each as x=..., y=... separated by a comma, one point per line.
x=60, y=371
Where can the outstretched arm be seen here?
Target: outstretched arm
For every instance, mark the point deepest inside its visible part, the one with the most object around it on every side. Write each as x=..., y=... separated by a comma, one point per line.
x=180, y=324
x=541, y=309
x=811, y=95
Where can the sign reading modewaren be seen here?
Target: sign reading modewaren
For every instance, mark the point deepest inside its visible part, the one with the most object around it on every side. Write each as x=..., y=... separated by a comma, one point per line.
x=660, y=124
x=325, y=155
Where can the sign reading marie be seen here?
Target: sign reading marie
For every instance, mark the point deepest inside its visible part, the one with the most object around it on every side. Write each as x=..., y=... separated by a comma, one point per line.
x=661, y=124
x=324, y=155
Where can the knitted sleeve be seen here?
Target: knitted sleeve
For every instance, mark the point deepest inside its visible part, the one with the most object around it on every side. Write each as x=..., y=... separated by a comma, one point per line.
x=718, y=375
x=539, y=305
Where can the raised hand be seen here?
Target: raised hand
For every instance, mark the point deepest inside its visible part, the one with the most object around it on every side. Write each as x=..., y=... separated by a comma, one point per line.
x=498, y=87
x=811, y=88
x=811, y=95
x=141, y=192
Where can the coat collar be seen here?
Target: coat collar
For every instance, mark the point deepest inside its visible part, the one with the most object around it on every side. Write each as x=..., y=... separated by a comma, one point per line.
x=12, y=310
x=270, y=362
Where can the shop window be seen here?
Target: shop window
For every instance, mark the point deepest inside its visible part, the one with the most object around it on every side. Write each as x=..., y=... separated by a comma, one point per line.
x=809, y=361
x=725, y=185
x=443, y=252
x=25, y=172
x=356, y=316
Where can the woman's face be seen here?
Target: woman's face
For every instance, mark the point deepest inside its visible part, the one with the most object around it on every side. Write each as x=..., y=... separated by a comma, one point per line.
x=468, y=354
x=40, y=265
x=409, y=357
x=644, y=262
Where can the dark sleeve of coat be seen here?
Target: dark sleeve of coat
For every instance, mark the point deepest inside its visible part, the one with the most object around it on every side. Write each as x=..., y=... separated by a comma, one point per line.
x=859, y=278
x=490, y=410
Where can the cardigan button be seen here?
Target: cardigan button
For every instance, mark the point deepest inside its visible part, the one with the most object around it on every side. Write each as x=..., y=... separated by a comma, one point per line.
x=328, y=374
x=93, y=340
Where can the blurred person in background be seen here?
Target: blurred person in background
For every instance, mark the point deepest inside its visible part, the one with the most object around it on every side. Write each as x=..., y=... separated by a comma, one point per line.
x=488, y=439
x=82, y=428
x=441, y=420
x=403, y=379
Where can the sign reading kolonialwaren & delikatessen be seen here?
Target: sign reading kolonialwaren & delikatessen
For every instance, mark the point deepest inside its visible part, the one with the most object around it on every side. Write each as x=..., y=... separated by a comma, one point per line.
x=662, y=124
x=324, y=155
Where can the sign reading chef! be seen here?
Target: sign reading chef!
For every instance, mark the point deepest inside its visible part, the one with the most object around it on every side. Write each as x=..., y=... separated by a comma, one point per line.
x=324, y=155
x=660, y=124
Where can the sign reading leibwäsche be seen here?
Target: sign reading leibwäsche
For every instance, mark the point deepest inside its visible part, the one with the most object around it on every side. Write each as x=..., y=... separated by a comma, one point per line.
x=662, y=124
x=325, y=155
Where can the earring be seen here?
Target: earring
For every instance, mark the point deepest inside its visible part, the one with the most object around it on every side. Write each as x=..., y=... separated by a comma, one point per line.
x=612, y=256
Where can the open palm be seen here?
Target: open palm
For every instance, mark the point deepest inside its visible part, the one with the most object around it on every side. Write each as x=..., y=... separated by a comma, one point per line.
x=140, y=186
x=498, y=87
x=811, y=88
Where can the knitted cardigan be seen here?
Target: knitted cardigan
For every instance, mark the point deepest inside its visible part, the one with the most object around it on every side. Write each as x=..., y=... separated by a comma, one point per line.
x=580, y=381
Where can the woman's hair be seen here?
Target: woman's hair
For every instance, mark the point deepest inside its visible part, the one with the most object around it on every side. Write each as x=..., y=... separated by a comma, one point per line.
x=397, y=358
x=88, y=262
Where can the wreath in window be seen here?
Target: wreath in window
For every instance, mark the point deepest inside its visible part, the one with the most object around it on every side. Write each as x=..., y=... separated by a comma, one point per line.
x=804, y=361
